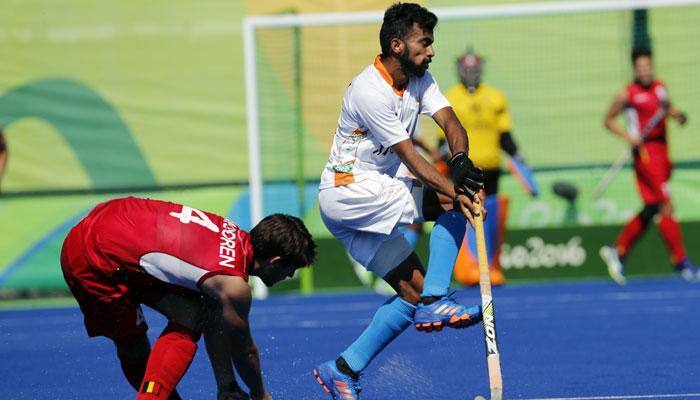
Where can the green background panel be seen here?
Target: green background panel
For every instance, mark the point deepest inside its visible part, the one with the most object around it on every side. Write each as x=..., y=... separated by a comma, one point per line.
x=42, y=150
x=333, y=269
x=169, y=76
x=172, y=70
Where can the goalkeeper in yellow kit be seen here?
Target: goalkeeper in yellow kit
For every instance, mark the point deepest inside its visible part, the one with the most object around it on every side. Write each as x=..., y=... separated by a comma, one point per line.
x=483, y=111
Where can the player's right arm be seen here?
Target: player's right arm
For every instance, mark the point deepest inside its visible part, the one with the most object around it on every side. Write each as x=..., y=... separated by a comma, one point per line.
x=423, y=170
x=234, y=297
x=219, y=350
x=380, y=118
x=429, y=175
x=618, y=105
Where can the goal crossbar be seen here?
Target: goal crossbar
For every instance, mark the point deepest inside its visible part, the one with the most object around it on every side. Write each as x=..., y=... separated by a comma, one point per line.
x=461, y=13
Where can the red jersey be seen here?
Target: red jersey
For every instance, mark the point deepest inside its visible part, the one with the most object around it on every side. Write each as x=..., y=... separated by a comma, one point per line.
x=643, y=103
x=173, y=243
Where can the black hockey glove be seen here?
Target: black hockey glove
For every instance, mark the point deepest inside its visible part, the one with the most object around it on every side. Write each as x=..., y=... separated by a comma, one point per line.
x=468, y=178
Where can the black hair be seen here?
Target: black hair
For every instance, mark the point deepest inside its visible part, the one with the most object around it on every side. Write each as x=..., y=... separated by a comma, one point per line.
x=640, y=52
x=285, y=236
x=398, y=21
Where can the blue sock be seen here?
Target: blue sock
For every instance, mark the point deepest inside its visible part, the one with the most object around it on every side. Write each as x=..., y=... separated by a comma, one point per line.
x=411, y=236
x=445, y=241
x=392, y=318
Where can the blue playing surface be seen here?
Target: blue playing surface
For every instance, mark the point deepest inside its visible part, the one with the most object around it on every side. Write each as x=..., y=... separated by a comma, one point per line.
x=574, y=340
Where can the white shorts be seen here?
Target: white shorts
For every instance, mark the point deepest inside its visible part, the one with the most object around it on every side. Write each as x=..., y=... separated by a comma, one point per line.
x=365, y=217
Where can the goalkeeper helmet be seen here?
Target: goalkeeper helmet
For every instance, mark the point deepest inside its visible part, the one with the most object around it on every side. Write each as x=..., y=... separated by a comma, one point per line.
x=469, y=68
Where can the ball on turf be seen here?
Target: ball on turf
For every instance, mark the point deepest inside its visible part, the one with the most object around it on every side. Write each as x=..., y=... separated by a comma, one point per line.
x=479, y=398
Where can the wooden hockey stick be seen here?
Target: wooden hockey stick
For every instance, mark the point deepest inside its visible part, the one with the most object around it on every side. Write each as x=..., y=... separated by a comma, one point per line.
x=493, y=357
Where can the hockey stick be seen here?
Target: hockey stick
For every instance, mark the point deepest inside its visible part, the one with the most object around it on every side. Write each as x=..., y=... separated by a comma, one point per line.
x=626, y=155
x=493, y=357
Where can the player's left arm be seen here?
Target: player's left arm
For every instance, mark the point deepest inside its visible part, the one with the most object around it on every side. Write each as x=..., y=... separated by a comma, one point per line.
x=517, y=165
x=455, y=134
x=468, y=178
x=380, y=118
x=672, y=111
x=504, y=125
x=680, y=117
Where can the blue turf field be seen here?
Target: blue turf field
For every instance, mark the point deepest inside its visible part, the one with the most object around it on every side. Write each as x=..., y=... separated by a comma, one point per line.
x=574, y=340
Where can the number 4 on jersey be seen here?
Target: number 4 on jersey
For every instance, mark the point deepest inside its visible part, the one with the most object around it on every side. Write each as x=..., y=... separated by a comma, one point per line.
x=189, y=214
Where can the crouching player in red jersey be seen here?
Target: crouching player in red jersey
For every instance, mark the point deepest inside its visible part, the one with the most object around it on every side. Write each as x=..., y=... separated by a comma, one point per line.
x=647, y=103
x=131, y=251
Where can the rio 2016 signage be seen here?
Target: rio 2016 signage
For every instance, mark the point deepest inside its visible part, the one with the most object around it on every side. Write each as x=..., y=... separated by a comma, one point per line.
x=536, y=253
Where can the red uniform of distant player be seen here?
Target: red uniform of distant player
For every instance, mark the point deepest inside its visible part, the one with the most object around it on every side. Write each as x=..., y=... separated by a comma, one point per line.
x=652, y=164
x=176, y=245
x=647, y=104
x=131, y=251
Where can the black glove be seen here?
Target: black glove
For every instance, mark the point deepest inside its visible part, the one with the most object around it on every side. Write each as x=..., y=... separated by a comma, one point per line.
x=468, y=178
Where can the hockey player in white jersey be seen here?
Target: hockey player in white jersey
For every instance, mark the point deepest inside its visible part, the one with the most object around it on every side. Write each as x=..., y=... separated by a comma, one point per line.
x=375, y=181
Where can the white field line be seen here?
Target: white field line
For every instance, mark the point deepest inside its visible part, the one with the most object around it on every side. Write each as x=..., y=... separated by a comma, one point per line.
x=625, y=397
x=281, y=321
